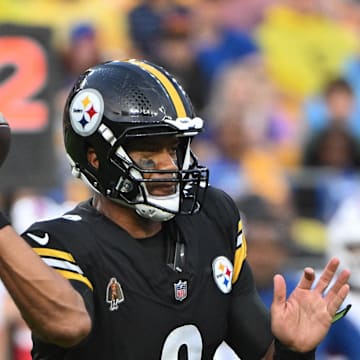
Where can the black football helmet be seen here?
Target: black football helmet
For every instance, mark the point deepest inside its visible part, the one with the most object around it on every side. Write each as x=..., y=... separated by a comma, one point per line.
x=117, y=101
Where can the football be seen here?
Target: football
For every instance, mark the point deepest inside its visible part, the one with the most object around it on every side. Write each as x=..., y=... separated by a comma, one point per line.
x=5, y=139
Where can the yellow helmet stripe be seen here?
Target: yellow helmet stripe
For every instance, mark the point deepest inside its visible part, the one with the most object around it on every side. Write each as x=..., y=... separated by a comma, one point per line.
x=54, y=253
x=168, y=85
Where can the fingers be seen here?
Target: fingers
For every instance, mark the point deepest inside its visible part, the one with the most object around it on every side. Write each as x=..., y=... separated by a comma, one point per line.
x=327, y=275
x=279, y=290
x=338, y=299
x=342, y=279
x=336, y=292
x=307, y=279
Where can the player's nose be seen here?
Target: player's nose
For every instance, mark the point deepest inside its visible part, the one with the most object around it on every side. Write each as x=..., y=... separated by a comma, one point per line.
x=166, y=160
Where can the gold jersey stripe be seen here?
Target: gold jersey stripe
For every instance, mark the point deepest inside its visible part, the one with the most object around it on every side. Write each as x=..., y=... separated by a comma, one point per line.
x=240, y=227
x=239, y=258
x=74, y=276
x=168, y=85
x=55, y=254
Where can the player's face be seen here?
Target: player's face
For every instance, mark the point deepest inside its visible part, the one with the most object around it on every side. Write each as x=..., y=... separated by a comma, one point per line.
x=156, y=153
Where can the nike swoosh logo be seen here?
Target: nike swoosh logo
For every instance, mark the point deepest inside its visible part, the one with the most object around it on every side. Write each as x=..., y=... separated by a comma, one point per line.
x=72, y=217
x=42, y=240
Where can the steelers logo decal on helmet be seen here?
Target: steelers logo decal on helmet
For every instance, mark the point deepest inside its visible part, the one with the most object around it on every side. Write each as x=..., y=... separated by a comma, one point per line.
x=223, y=273
x=86, y=111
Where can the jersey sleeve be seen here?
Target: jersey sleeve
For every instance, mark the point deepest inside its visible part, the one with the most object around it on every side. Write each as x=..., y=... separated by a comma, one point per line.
x=240, y=251
x=235, y=234
x=249, y=331
x=51, y=243
x=223, y=212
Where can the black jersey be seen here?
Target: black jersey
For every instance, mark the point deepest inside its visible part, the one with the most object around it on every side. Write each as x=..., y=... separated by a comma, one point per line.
x=145, y=304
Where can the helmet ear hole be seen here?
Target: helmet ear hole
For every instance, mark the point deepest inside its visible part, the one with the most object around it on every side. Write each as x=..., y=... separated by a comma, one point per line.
x=92, y=157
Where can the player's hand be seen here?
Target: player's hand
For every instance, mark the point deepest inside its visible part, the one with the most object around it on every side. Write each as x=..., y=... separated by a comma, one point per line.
x=5, y=139
x=302, y=321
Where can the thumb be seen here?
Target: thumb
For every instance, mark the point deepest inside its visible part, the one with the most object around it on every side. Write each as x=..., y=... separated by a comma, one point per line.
x=279, y=290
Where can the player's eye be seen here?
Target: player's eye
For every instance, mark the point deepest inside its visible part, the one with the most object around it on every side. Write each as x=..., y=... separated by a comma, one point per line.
x=146, y=164
x=173, y=152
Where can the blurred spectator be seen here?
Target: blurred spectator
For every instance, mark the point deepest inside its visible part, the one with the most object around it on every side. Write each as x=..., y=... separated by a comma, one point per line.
x=245, y=88
x=339, y=98
x=331, y=148
x=346, y=13
x=337, y=103
x=15, y=336
x=30, y=205
x=83, y=51
x=146, y=21
x=269, y=245
x=303, y=46
x=245, y=129
x=61, y=15
x=334, y=148
x=350, y=17
x=343, y=230
x=333, y=156
x=243, y=15
x=351, y=74
x=218, y=45
x=175, y=52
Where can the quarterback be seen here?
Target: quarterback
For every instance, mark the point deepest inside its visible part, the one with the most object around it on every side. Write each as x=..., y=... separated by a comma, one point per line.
x=153, y=266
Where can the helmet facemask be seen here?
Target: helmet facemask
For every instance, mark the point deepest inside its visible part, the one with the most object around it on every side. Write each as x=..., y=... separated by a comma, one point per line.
x=134, y=186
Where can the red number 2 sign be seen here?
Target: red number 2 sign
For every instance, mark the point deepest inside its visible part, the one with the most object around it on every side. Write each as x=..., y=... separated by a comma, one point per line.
x=19, y=103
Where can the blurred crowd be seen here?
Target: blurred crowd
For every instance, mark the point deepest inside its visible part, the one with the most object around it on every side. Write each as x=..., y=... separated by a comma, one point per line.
x=278, y=85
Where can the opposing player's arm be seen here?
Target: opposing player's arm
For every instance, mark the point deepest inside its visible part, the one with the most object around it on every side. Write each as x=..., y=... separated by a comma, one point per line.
x=52, y=308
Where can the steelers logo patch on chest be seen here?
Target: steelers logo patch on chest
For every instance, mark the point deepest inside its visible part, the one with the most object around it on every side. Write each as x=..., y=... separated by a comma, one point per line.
x=86, y=111
x=223, y=272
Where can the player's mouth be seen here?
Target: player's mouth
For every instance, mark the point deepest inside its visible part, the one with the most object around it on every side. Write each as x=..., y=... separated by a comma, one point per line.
x=162, y=189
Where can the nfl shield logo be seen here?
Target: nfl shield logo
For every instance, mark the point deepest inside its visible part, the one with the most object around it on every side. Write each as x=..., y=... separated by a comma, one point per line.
x=180, y=289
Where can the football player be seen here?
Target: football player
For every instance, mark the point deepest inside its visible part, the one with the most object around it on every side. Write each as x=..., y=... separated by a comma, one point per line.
x=153, y=266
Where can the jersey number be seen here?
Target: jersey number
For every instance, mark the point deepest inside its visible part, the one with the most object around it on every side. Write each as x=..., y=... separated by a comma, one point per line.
x=186, y=335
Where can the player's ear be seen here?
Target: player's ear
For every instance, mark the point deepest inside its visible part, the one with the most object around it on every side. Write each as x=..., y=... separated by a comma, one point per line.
x=92, y=157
